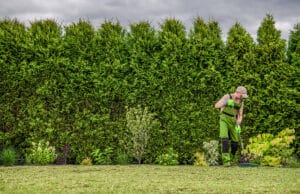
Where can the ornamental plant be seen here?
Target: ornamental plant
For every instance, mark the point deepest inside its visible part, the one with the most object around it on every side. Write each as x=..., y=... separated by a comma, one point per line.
x=211, y=152
x=87, y=161
x=41, y=153
x=200, y=159
x=271, y=150
x=103, y=157
x=139, y=121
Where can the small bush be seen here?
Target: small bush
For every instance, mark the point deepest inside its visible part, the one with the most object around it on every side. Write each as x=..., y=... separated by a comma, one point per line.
x=211, y=152
x=292, y=162
x=41, y=153
x=170, y=158
x=103, y=157
x=86, y=161
x=123, y=158
x=8, y=156
x=269, y=150
x=200, y=159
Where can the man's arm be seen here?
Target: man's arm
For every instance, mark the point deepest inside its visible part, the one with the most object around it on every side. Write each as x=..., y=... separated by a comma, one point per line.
x=240, y=115
x=222, y=102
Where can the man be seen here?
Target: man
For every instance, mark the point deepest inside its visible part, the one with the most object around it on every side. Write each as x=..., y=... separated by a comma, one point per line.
x=231, y=116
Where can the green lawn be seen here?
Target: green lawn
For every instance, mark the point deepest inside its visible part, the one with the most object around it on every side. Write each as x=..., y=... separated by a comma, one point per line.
x=148, y=179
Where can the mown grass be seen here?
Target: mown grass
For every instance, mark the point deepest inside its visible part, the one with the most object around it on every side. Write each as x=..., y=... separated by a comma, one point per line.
x=147, y=179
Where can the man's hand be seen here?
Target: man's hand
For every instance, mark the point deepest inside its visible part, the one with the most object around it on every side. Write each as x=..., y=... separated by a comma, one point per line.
x=238, y=128
x=230, y=103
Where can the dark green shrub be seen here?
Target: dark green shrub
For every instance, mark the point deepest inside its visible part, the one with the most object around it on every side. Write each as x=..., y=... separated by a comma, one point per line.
x=8, y=156
x=103, y=157
x=292, y=162
x=123, y=158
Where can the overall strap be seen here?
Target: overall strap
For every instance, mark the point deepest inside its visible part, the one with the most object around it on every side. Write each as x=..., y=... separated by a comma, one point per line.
x=230, y=96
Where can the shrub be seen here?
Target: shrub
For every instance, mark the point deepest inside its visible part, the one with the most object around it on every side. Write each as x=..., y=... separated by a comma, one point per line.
x=269, y=150
x=169, y=158
x=8, y=156
x=86, y=161
x=292, y=162
x=200, y=159
x=123, y=158
x=41, y=153
x=211, y=152
x=103, y=157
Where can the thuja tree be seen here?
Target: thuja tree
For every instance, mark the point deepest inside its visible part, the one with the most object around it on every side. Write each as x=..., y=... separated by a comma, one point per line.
x=275, y=108
x=80, y=97
x=171, y=90
x=42, y=75
x=143, y=81
x=78, y=41
x=13, y=57
x=143, y=50
x=110, y=59
x=238, y=69
x=293, y=54
x=239, y=57
x=205, y=82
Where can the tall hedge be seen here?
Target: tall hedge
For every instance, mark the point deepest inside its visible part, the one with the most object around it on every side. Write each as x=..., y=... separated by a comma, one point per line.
x=293, y=60
x=73, y=84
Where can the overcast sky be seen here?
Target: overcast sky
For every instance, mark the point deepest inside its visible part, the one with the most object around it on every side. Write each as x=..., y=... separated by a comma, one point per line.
x=249, y=13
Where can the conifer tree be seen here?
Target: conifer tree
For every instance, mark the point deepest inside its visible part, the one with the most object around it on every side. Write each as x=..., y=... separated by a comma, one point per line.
x=143, y=47
x=13, y=57
x=239, y=65
x=293, y=54
x=171, y=89
x=78, y=41
x=205, y=81
x=239, y=55
x=274, y=109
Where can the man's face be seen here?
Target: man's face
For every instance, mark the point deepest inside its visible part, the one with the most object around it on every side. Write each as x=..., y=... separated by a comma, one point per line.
x=239, y=95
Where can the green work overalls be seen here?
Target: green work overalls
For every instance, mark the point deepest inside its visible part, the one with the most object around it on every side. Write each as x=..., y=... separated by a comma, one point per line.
x=228, y=134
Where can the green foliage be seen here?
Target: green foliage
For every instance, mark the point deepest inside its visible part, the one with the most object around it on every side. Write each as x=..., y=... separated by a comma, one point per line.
x=123, y=158
x=168, y=158
x=8, y=156
x=270, y=150
x=103, y=157
x=211, y=152
x=293, y=54
x=293, y=162
x=277, y=109
x=71, y=85
x=41, y=153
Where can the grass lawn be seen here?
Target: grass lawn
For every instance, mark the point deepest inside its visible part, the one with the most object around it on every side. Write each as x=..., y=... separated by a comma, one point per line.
x=148, y=179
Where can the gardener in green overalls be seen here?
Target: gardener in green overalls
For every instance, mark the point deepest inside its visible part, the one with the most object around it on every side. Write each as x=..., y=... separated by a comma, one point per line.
x=231, y=116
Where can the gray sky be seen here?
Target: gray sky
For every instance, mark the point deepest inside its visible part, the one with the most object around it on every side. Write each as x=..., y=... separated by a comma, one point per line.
x=249, y=13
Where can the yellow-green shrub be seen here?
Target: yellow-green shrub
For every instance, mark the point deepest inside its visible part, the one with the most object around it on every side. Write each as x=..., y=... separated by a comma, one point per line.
x=270, y=150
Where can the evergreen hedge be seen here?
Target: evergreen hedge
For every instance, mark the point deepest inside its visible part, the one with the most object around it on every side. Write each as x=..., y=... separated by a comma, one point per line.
x=71, y=85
